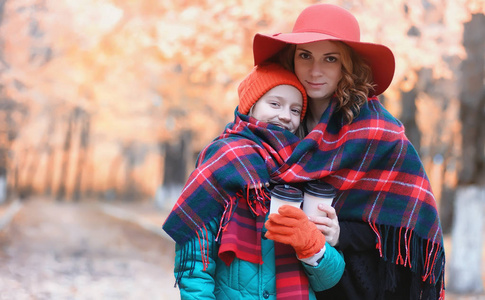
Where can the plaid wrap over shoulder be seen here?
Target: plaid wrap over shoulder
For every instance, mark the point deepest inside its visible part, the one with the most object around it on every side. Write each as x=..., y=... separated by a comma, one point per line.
x=245, y=155
x=380, y=180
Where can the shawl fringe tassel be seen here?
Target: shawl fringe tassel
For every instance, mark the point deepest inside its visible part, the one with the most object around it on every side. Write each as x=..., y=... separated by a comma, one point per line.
x=259, y=200
x=398, y=246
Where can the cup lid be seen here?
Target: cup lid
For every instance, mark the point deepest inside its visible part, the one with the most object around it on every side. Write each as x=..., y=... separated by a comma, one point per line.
x=287, y=192
x=320, y=189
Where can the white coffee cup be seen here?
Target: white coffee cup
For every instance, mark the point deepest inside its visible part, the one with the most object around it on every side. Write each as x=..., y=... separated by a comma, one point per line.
x=316, y=192
x=285, y=195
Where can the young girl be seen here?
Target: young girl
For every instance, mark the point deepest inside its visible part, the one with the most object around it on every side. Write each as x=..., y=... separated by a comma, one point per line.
x=388, y=226
x=225, y=246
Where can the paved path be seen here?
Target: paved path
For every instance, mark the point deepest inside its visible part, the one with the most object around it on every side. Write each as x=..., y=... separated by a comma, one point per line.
x=52, y=250
x=94, y=250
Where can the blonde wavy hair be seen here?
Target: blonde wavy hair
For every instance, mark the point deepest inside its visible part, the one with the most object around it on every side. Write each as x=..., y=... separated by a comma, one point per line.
x=354, y=87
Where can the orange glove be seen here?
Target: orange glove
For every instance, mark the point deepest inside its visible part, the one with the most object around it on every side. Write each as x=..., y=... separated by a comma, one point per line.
x=291, y=226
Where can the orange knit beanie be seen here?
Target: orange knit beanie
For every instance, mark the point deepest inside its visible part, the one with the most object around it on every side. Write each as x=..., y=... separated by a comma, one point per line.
x=263, y=78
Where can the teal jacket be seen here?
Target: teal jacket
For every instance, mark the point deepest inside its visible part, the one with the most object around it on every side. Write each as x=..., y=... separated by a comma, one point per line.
x=245, y=280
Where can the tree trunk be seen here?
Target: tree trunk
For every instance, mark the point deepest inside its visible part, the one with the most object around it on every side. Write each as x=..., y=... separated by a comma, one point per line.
x=472, y=100
x=177, y=156
x=111, y=191
x=50, y=156
x=467, y=242
x=61, y=192
x=465, y=265
x=3, y=188
x=130, y=188
x=81, y=161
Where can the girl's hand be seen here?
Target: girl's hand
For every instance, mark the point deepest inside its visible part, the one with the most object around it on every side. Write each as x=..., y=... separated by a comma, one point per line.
x=291, y=226
x=328, y=225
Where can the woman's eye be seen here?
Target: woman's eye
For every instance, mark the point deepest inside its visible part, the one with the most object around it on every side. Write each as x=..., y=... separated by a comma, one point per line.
x=304, y=55
x=331, y=59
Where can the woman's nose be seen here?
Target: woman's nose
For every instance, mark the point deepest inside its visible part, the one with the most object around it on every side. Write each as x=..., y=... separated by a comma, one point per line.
x=316, y=68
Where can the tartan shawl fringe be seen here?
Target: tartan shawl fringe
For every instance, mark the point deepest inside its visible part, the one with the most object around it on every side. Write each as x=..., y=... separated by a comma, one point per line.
x=400, y=247
x=257, y=201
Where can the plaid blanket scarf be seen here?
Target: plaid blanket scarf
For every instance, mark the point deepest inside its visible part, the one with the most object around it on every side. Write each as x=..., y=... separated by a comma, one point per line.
x=377, y=171
x=381, y=180
x=245, y=155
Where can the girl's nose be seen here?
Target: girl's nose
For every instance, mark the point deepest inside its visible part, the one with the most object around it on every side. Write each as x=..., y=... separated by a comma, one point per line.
x=285, y=115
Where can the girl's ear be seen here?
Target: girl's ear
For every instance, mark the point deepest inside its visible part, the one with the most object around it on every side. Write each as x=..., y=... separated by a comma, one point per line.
x=250, y=113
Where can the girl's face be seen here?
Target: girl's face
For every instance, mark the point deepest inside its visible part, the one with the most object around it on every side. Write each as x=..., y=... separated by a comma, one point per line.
x=318, y=66
x=280, y=106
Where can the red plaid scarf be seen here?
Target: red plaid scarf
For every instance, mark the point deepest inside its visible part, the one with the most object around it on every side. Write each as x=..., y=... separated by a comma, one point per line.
x=241, y=237
x=378, y=173
x=244, y=155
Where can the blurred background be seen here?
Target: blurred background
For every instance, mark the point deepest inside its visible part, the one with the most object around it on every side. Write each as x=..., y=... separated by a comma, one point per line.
x=111, y=100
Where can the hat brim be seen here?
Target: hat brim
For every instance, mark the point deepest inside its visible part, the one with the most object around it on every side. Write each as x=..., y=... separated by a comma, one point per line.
x=379, y=57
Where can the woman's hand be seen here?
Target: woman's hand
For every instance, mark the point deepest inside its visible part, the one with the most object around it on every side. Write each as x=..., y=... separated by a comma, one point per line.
x=258, y=186
x=328, y=225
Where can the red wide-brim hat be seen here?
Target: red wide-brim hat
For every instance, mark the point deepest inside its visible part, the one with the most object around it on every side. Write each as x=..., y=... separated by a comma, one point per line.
x=326, y=22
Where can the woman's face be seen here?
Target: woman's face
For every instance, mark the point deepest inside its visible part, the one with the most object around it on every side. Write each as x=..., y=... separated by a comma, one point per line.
x=318, y=66
x=280, y=106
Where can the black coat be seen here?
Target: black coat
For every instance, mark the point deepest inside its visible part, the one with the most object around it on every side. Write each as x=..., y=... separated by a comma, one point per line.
x=366, y=275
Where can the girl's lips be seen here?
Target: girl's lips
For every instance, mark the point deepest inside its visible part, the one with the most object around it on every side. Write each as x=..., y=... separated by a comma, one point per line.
x=280, y=125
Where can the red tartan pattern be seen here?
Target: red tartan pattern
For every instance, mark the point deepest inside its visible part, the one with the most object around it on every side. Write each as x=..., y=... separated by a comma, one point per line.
x=373, y=159
x=378, y=173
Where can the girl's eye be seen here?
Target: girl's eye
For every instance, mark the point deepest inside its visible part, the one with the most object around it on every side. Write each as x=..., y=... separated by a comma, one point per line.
x=275, y=104
x=331, y=59
x=296, y=111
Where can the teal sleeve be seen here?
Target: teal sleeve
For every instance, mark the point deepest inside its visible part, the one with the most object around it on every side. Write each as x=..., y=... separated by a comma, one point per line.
x=328, y=272
x=195, y=282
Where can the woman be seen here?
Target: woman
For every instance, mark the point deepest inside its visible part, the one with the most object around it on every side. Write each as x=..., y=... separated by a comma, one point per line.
x=388, y=226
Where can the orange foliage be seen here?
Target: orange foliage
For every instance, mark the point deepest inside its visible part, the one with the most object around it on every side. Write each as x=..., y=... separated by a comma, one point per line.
x=147, y=70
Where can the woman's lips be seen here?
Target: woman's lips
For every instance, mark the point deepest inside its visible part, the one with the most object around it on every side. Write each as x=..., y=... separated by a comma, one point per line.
x=315, y=85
